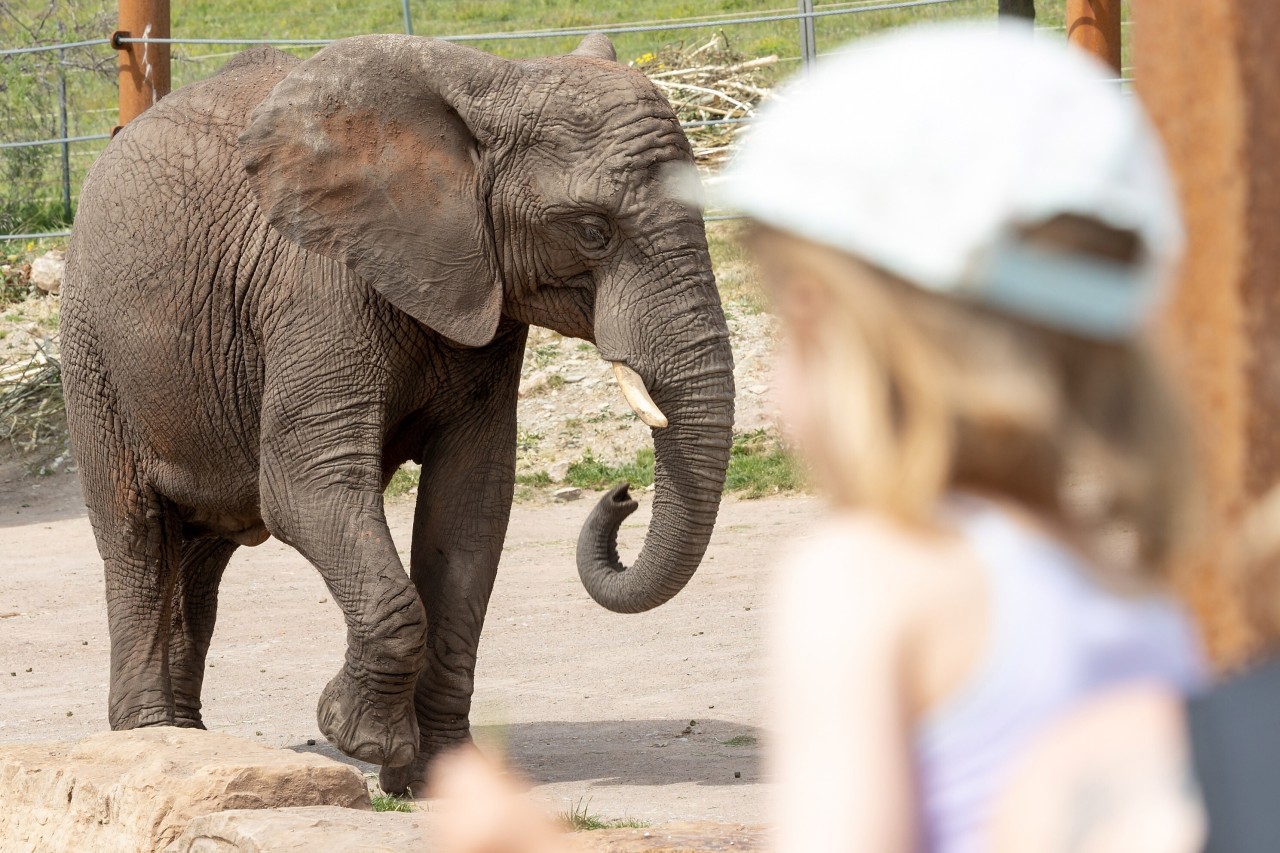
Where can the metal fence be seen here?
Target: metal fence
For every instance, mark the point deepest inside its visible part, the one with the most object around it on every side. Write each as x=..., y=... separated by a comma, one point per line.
x=79, y=148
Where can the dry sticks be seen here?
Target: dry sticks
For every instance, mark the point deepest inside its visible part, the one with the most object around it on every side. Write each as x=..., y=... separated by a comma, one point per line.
x=712, y=89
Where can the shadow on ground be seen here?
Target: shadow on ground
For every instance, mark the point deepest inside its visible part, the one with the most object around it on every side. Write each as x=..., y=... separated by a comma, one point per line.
x=615, y=752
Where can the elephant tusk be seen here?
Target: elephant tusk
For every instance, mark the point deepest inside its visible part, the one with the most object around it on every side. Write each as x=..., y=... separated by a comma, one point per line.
x=637, y=396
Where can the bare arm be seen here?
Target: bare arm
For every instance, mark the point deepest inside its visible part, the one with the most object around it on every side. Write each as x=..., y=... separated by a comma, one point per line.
x=840, y=752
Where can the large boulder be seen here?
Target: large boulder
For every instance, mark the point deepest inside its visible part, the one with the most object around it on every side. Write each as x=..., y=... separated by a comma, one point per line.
x=136, y=791
x=302, y=830
x=46, y=271
x=336, y=830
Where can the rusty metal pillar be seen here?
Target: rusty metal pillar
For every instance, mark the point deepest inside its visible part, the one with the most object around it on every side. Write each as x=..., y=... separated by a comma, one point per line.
x=1094, y=25
x=1210, y=78
x=144, y=68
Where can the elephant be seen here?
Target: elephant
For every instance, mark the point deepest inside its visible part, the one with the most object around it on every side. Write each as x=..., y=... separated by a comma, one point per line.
x=289, y=279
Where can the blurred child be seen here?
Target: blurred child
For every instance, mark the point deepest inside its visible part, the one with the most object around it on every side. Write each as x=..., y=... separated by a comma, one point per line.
x=964, y=230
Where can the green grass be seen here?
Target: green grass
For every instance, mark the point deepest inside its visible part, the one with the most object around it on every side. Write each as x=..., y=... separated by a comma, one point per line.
x=758, y=466
x=402, y=481
x=741, y=740
x=591, y=473
x=30, y=198
x=390, y=803
x=545, y=354
x=537, y=479
x=578, y=819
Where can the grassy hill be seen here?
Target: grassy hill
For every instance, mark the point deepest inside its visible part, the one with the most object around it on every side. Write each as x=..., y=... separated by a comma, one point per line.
x=30, y=177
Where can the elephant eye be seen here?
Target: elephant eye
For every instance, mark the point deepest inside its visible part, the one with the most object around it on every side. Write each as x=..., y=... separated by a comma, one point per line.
x=594, y=233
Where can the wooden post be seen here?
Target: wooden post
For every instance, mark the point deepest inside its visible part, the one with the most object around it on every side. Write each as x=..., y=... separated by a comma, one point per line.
x=1094, y=25
x=1208, y=78
x=144, y=68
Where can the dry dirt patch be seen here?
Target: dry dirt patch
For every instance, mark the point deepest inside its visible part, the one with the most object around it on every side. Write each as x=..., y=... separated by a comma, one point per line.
x=655, y=716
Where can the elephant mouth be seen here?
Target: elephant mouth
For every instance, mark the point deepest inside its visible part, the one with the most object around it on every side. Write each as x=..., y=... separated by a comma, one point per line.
x=637, y=396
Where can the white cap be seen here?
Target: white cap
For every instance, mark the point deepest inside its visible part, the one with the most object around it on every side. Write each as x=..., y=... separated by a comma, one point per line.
x=925, y=152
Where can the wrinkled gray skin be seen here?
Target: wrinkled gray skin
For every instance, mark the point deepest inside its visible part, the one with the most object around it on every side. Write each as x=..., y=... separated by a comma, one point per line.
x=289, y=279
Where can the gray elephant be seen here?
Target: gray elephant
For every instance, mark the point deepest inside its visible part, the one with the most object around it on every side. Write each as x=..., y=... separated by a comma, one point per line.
x=287, y=280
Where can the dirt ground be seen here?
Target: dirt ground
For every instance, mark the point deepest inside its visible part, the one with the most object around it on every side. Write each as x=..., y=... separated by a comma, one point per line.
x=627, y=715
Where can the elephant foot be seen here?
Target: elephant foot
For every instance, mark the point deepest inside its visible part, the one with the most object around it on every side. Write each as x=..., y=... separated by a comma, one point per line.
x=188, y=721
x=376, y=729
x=142, y=718
x=411, y=779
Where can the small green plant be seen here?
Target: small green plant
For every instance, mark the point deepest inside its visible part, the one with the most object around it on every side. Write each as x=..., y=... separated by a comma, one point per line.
x=578, y=819
x=527, y=440
x=591, y=473
x=555, y=381
x=536, y=478
x=390, y=803
x=402, y=481
x=545, y=354
x=759, y=465
x=740, y=740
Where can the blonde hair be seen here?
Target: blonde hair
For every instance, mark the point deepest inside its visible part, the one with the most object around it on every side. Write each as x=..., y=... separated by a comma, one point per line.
x=912, y=395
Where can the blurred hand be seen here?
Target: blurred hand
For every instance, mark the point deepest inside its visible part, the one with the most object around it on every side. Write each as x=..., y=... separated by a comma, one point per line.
x=484, y=810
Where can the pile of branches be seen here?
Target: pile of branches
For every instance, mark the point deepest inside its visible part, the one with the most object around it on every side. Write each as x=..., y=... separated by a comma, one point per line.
x=710, y=82
x=31, y=409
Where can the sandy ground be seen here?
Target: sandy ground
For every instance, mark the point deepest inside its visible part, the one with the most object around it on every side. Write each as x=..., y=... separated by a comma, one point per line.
x=593, y=706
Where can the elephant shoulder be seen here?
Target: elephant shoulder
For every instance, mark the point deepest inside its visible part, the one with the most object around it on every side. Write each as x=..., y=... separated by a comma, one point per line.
x=215, y=109
x=260, y=60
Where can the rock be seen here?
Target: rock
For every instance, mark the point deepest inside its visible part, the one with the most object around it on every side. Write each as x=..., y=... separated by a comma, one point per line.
x=531, y=382
x=758, y=389
x=46, y=271
x=327, y=828
x=573, y=378
x=559, y=471
x=568, y=494
x=337, y=830
x=137, y=790
x=696, y=837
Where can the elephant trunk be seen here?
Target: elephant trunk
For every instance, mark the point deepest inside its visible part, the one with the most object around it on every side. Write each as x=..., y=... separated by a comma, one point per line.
x=692, y=455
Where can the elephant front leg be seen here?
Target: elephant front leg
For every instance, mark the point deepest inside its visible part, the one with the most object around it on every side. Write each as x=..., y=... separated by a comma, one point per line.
x=464, y=504
x=334, y=517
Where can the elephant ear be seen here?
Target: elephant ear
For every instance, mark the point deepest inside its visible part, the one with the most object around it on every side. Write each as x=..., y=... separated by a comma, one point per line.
x=363, y=154
x=596, y=45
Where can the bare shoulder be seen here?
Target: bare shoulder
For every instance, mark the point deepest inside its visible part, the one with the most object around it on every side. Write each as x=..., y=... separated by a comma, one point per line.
x=866, y=570
x=872, y=552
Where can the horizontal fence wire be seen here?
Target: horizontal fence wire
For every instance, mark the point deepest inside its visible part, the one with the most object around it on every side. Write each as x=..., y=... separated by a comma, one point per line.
x=583, y=31
x=59, y=141
x=45, y=48
x=36, y=236
x=691, y=23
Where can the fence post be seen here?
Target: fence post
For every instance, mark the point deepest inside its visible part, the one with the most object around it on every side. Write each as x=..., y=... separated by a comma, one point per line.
x=62, y=131
x=144, y=68
x=408, y=19
x=808, y=42
x=1201, y=80
x=1094, y=25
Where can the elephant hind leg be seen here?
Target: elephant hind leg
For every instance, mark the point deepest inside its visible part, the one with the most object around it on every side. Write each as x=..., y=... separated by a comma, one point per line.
x=195, y=609
x=141, y=539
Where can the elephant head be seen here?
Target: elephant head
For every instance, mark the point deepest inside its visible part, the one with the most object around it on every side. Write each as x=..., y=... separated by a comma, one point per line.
x=466, y=188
